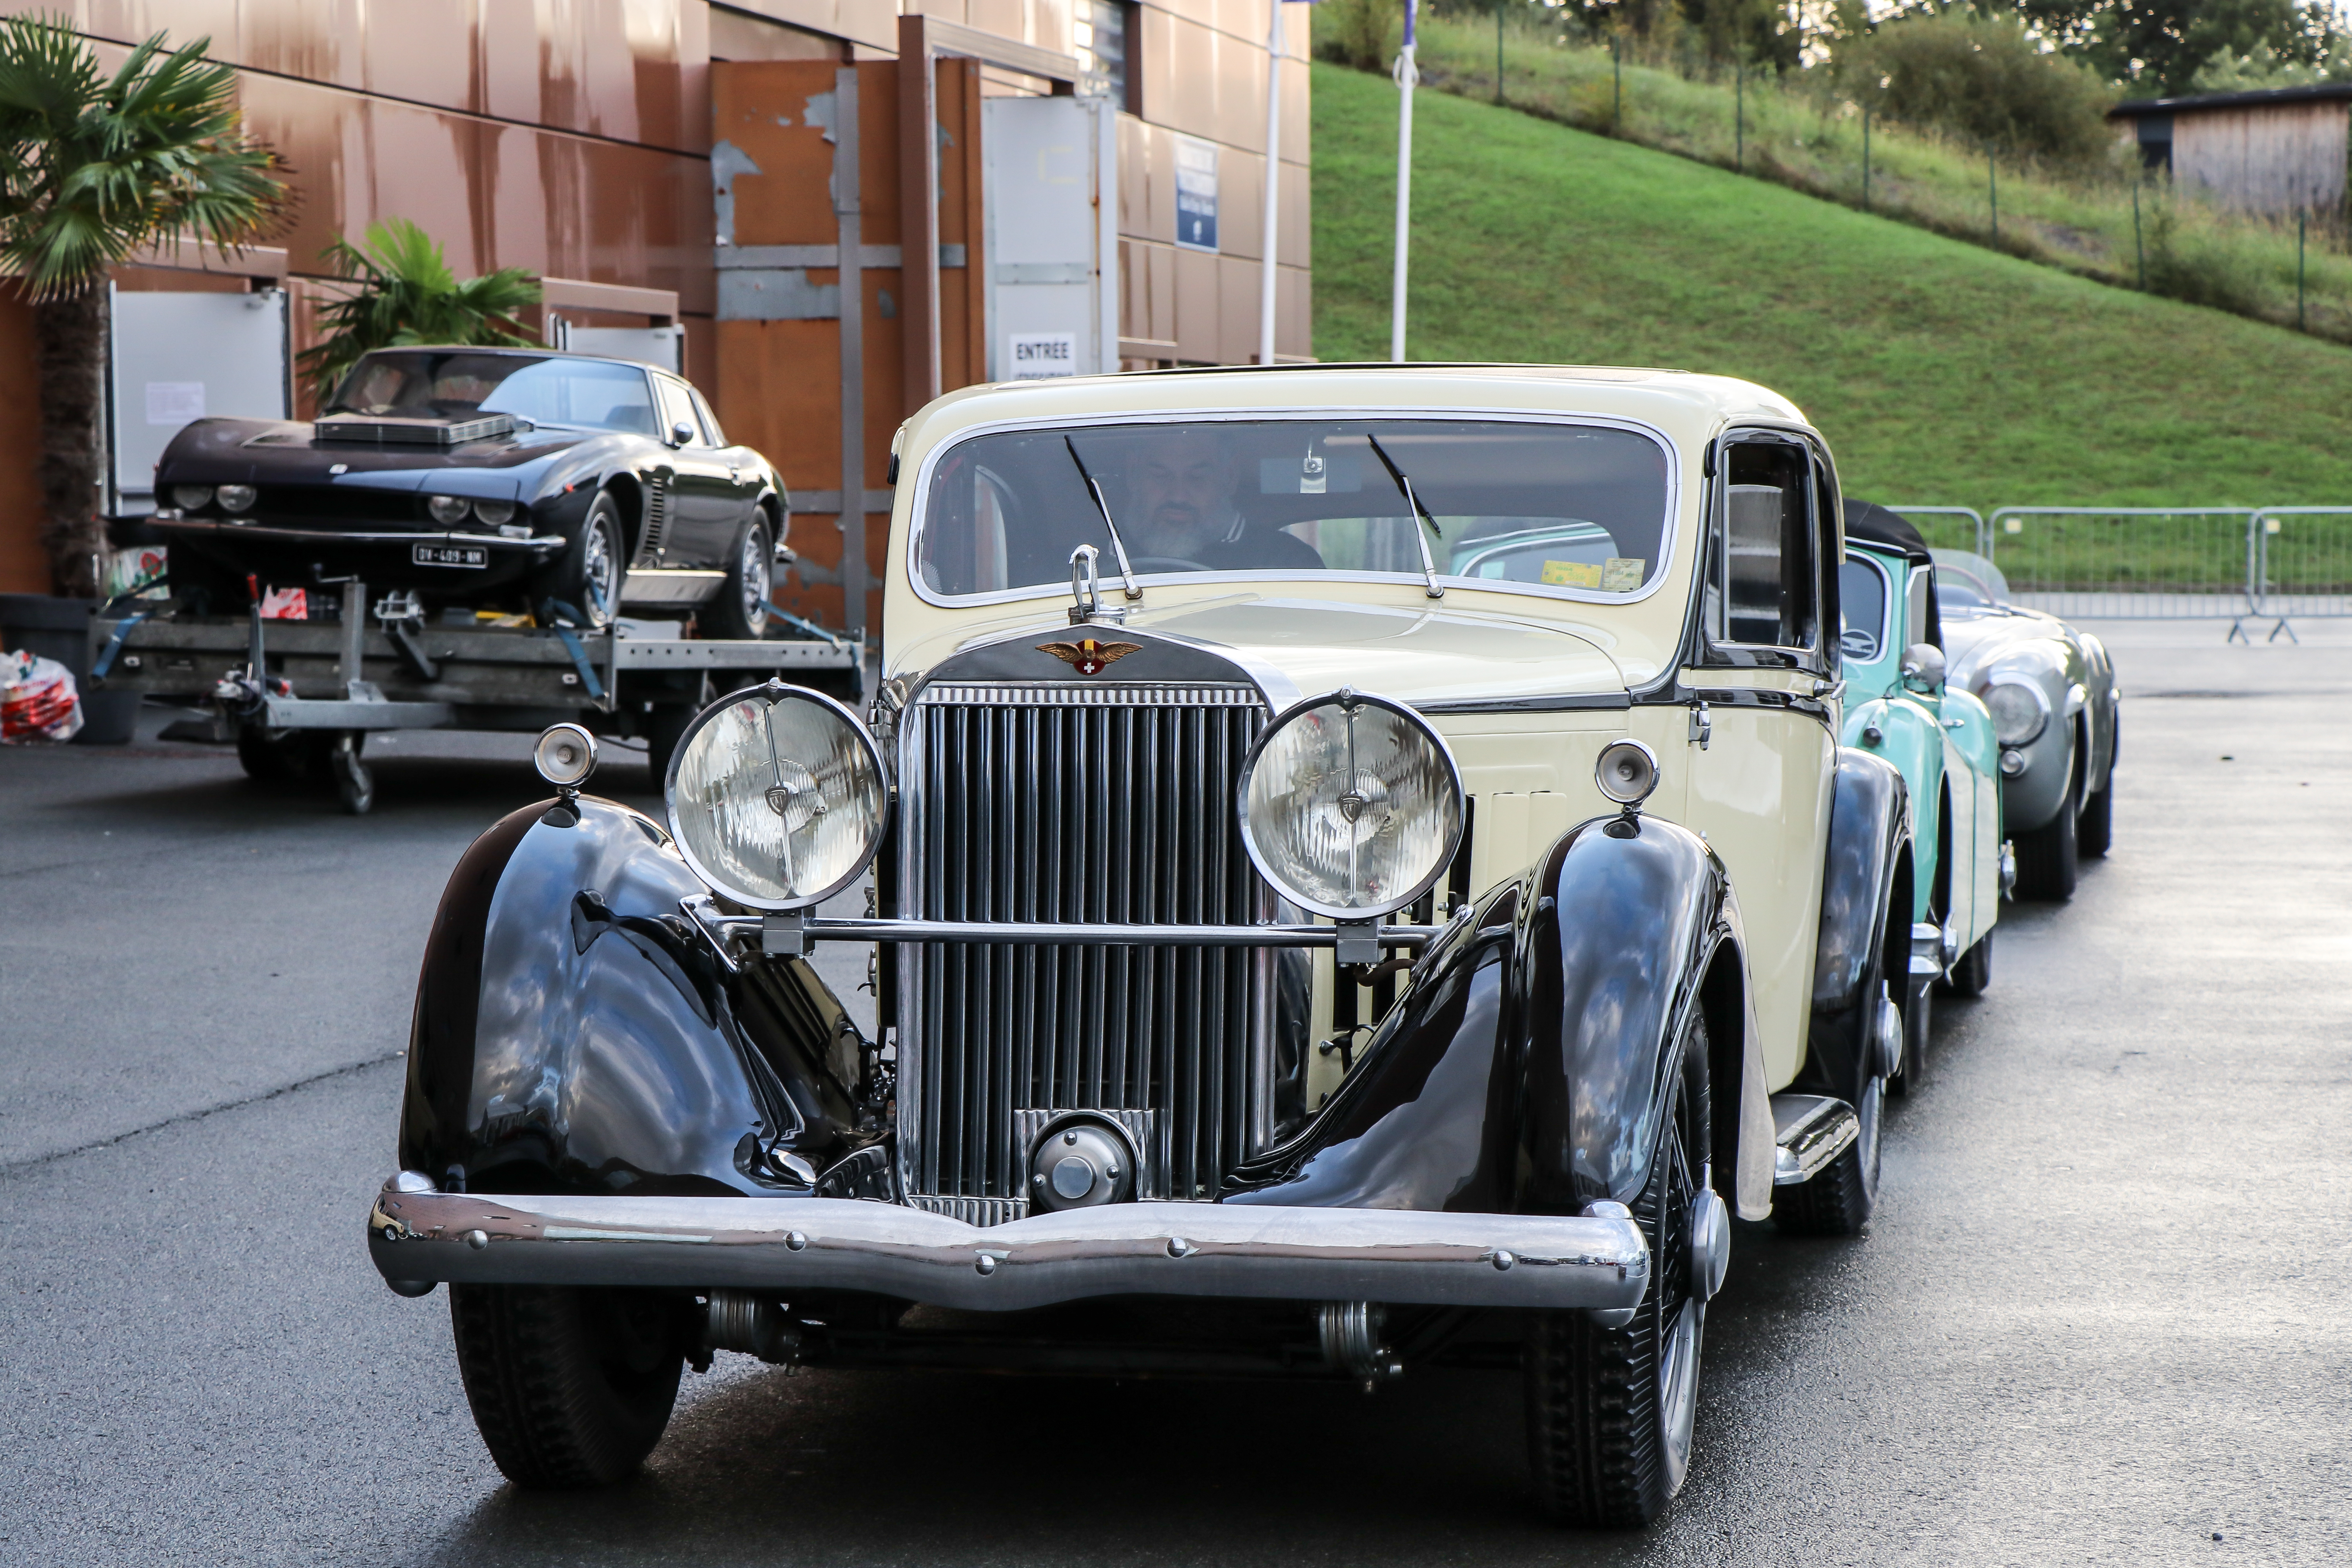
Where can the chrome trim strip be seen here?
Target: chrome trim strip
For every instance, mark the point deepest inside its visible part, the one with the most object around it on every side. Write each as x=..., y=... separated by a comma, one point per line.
x=1066, y=694
x=921, y=492
x=1810, y=1131
x=1068, y=934
x=1255, y=1251
x=1598, y=701
x=543, y=541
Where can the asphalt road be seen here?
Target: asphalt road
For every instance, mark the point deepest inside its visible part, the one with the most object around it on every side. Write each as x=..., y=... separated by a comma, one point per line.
x=2100, y=1317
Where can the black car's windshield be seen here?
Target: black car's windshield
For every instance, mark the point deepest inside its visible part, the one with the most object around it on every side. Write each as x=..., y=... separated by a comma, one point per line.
x=428, y=383
x=1549, y=505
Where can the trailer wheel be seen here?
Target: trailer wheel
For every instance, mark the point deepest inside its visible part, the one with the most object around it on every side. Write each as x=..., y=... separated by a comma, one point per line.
x=354, y=781
x=289, y=756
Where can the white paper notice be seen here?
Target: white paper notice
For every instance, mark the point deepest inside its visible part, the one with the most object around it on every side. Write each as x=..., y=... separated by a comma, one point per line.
x=1037, y=355
x=175, y=402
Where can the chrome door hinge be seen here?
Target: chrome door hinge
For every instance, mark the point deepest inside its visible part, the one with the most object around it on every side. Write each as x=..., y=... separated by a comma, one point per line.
x=1702, y=728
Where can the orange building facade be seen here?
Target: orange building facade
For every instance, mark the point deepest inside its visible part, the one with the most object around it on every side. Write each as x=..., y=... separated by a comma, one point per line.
x=660, y=162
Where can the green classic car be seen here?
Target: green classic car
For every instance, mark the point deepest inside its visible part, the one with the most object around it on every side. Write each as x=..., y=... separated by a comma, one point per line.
x=1942, y=739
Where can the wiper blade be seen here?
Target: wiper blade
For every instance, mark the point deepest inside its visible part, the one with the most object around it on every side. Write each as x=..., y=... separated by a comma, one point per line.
x=1428, y=565
x=1118, y=546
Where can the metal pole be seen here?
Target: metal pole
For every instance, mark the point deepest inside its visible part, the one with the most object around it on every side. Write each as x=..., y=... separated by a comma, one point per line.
x=1498, y=51
x=1740, y=117
x=1616, y=86
x=1267, y=276
x=1993, y=185
x=2139, y=246
x=1407, y=75
x=1865, y=157
x=2298, y=268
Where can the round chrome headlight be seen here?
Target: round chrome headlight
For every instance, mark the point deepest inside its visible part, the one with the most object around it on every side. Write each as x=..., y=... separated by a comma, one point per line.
x=1627, y=772
x=565, y=755
x=776, y=797
x=2020, y=710
x=192, y=497
x=494, y=512
x=449, y=510
x=237, y=497
x=1350, y=805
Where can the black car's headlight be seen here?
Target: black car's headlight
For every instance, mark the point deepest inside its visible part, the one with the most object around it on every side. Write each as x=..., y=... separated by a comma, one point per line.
x=192, y=497
x=777, y=797
x=2020, y=710
x=494, y=512
x=447, y=510
x=237, y=497
x=1350, y=805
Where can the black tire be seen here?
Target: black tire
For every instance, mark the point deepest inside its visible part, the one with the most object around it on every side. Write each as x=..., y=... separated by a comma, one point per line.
x=663, y=728
x=1918, y=1024
x=1973, y=972
x=289, y=756
x=740, y=610
x=588, y=577
x=355, y=780
x=571, y=1387
x=2049, y=858
x=1610, y=1411
x=1839, y=1200
x=2094, y=825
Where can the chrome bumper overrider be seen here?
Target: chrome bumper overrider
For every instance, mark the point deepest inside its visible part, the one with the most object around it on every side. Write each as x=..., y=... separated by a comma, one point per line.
x=1119, y=1249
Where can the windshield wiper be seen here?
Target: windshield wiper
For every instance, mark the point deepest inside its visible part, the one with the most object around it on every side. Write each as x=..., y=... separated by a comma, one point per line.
x=1428, y=565
x=1118, y=546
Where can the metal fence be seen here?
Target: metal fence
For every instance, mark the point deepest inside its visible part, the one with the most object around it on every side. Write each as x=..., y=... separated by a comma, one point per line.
x=2228, y=564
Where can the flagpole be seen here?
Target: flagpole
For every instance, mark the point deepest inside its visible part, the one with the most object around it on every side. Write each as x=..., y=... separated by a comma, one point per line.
x=1406, y=77
x=1273, y=46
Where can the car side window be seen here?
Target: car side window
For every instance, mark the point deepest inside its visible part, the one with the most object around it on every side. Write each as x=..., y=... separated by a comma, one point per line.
x=710, y=430
x=1763, y=574
x=1923, y=607
x=676, y=407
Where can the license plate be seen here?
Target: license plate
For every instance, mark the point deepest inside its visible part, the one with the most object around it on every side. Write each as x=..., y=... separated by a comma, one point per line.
x=450, y=555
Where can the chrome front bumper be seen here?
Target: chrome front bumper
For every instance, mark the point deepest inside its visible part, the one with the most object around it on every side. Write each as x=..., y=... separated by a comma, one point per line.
x=781, y=1245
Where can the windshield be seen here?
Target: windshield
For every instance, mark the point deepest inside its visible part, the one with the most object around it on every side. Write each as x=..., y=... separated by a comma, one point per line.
x=1862, y=599
x=450, y=384
x=1965, y=581
x=1554, y=507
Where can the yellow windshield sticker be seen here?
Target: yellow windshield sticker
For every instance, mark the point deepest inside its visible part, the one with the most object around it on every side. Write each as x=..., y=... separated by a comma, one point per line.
x=1570, y=574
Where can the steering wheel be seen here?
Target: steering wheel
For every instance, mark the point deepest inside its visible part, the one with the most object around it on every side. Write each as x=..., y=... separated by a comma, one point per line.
x=1164, y=563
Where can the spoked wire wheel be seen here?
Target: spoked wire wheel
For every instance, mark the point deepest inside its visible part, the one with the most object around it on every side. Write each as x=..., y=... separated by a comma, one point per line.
x=1610, y=1411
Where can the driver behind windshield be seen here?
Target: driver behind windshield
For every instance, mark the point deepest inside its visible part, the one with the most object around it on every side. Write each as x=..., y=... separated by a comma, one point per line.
x=1180, y=506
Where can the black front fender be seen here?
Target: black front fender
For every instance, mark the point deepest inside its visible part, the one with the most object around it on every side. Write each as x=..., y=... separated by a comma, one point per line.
x=1520, y=1071
x=1865, y=878
x=573, y=1033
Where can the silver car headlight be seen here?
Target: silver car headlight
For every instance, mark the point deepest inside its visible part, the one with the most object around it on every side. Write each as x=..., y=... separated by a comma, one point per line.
x=2020, y=710
x=1350, y=805
x=777, y=797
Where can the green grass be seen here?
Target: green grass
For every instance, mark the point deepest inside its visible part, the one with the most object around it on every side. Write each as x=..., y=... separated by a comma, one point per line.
x=1941, y=371
x=1802, y=131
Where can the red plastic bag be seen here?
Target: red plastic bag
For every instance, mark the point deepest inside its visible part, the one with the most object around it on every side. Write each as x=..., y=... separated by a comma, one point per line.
x=38, y=700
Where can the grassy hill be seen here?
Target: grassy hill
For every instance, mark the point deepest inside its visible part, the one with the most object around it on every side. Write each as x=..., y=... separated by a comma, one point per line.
x=1942, y=373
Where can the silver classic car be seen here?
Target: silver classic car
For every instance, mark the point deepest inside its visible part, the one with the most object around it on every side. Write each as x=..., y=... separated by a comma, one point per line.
x=1362, y=878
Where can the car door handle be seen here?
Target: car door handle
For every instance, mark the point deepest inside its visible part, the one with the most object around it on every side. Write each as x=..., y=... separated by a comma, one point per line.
x=1954, y=723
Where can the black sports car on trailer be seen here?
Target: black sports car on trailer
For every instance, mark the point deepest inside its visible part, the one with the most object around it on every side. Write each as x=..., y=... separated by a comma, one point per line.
x=521, y=479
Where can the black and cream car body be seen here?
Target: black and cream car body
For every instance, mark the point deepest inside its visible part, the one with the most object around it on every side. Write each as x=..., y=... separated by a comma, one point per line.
x=528, y=480
x=1362, y=879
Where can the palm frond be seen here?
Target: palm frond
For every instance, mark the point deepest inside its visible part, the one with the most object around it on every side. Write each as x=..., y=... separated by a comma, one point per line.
x=408, y=294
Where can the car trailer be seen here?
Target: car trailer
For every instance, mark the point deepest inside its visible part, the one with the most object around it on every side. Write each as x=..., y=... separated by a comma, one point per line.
x=300, y=698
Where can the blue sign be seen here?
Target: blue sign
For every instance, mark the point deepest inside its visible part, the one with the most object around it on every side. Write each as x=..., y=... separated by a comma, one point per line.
x=1196, y=194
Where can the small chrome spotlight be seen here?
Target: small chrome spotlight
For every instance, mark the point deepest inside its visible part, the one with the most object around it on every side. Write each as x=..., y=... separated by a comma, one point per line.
x=1627, y=773
x=565, y=756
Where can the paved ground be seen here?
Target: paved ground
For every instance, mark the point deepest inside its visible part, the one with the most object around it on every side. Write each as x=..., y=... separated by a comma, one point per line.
x=2100, y=1317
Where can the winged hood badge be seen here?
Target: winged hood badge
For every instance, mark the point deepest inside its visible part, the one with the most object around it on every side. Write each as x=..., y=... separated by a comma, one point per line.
x=1089, y=656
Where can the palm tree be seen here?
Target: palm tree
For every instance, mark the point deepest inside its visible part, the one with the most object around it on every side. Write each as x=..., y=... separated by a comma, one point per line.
x=407, y=294
x=93, y=167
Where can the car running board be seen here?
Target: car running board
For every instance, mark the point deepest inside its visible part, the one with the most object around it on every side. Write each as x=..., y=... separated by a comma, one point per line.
x=1810, y=1131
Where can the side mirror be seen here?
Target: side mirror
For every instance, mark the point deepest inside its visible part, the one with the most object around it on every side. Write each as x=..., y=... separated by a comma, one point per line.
x=1923, y=668
x=681, y=434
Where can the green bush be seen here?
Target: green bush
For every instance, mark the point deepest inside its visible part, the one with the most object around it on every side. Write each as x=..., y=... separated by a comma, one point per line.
x=1365, y=33
x=1980, y=80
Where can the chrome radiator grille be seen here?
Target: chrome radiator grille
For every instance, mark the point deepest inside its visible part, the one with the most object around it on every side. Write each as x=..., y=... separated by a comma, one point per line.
x=1088, y=803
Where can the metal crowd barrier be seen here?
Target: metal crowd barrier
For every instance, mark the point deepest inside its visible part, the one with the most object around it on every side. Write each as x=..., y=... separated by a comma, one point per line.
x=2302, y=564
x=1978, y=537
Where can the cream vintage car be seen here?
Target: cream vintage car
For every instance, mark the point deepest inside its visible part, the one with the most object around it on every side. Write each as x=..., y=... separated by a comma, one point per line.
x=1363, y=879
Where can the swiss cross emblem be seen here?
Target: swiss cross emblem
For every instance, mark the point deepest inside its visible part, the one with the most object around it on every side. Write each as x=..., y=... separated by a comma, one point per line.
x=1089, y=656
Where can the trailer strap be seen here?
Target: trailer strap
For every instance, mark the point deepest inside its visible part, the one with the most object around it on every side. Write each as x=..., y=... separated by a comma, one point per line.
x=122, y=630
x=562, y=628
x=811, y=628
